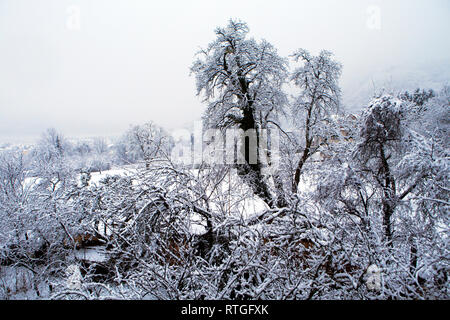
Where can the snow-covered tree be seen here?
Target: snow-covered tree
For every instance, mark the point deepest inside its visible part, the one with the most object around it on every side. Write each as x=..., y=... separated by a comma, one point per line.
x=318, y=101
x=241, y=79
x=144, y=142
x=391, y=188
x=100, y=145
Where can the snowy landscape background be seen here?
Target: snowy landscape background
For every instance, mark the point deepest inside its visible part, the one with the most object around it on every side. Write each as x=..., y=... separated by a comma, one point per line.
x=338, y=114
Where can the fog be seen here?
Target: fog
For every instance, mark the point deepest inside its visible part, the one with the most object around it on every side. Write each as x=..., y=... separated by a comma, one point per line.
x=93, y=67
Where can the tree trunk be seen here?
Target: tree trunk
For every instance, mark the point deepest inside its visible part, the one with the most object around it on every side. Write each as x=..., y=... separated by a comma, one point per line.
x=387, y=214
x=298, y=171
x=252, y=172
x=306, y=151
x=388, y=203
x=413, y=257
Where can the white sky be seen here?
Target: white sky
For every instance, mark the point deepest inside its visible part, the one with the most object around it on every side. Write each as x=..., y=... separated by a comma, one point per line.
x=129, y=60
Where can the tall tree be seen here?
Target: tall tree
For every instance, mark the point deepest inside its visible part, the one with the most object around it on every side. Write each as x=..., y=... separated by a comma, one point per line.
x=318, y=100
x=242, y=80
x=400, y=160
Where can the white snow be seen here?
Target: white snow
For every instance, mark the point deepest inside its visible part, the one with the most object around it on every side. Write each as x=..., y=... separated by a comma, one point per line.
x=373, y=281
x=74, y=277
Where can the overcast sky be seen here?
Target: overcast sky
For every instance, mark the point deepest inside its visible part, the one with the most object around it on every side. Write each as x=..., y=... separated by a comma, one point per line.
x=92, y=67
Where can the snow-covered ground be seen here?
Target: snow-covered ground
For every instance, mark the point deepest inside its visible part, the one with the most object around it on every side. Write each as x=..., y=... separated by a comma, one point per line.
x=19, y=283
x=92, y=254
x=124, y=171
